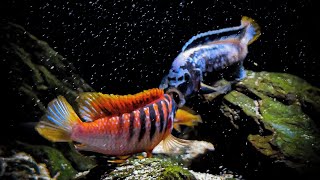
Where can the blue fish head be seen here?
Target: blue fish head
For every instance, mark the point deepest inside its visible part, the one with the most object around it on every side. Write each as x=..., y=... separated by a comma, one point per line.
x=182, y=79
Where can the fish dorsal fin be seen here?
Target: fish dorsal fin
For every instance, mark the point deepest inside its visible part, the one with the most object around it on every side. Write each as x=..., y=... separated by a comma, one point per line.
x=214, y=35
x=93, y=106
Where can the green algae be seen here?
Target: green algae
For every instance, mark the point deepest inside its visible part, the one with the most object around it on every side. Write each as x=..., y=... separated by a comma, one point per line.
x=277, y=100
x=150, y=168
x=262, y=144
x=78, y=161
x=57, y=164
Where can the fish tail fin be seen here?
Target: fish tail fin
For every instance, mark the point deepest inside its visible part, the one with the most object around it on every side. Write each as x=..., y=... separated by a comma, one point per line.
x=252, y=32
x=186, y=116
x=58, y=121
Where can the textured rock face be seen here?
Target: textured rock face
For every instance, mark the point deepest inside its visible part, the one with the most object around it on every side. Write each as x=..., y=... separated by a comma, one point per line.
x=150, y=168
x=285, y=110
x=36, y=73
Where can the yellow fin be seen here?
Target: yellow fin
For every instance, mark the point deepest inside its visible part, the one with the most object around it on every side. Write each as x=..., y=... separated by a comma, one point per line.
x=186, y=116
x=120, y=159
x=254, y=32
x=94, y=105
x=52, y=132
x=56, y=125
x=177, y=127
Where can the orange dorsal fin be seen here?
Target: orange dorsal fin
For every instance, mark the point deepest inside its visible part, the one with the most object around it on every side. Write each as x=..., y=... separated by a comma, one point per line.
x=95, y=105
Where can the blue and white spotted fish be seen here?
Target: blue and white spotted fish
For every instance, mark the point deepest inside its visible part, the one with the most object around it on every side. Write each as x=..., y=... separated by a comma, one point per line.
x=209, y=52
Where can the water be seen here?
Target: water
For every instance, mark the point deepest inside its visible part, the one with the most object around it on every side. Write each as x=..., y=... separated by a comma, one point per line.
x=124, y=47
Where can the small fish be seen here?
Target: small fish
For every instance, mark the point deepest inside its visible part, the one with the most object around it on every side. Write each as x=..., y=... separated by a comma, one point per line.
x=117, y=125
x=209, y=52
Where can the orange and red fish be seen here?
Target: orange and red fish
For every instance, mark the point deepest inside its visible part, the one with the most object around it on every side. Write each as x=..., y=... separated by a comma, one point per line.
x=117, y=125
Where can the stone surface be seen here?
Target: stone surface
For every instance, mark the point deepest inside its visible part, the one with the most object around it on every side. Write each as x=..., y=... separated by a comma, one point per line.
x=285, y=109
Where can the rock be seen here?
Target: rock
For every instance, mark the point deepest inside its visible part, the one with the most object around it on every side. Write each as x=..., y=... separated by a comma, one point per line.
x=284, y=110
x=23, y=166
x=207, y=176
x=149, y=168
x=54, y=159
x=78, y=161
x=36, y=73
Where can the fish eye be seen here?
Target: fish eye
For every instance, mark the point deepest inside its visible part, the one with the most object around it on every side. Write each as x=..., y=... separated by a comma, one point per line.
x=170, y=79
x=186, y=77
x=180, y=78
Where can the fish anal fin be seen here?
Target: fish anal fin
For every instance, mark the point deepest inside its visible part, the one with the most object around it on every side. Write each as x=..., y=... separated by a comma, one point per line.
x=174, y=145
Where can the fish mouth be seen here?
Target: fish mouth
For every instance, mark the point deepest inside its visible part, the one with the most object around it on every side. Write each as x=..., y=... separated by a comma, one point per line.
x=176, y=95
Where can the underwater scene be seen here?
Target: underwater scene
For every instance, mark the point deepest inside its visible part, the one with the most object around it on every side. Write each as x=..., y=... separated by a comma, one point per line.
x=168, y=89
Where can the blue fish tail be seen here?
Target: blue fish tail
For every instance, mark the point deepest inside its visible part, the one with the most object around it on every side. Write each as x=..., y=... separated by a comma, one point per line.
x=58, y=121
x=252, y=32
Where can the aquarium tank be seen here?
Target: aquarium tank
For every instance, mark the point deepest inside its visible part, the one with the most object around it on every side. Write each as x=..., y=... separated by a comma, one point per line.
x=168, y=89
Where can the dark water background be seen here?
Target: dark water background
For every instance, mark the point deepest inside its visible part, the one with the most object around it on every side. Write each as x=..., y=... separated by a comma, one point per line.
x=127, y=46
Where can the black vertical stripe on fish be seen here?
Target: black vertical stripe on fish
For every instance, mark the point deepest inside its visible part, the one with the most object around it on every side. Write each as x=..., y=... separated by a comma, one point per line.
x=120, y=123
x=170, y=101
x=167, y=97
x=105, y=111
x=161, y=115
x=142, y=124
x=167, y=115
x=131, y=125
x=152, y=115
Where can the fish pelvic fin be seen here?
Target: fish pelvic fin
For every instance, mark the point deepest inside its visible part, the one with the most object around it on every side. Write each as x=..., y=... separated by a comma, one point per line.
x=252, y=30
x=56, y=125
x=186, y=116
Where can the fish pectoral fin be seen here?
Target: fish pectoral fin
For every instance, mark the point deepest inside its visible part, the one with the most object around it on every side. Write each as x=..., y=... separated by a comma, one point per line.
x=124, y=157
x=82, y=147
x=173, y=145
x=117, y=161
x=120, y=159
x=223, y=89
x=140, y=157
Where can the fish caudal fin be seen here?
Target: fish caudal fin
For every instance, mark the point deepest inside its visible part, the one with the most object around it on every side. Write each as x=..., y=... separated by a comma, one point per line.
x=252, y=30
x=56, y=125
x=186, y=116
